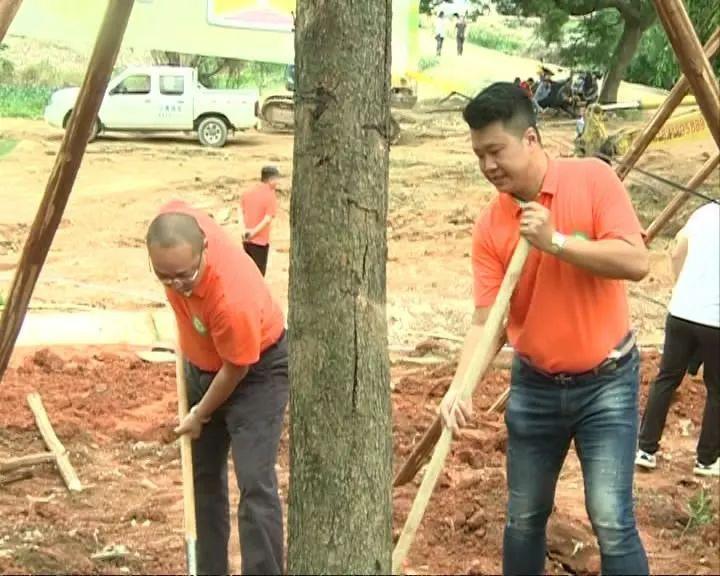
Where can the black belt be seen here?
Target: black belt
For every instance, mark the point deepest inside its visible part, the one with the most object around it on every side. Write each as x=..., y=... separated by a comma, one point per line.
x=617, y=357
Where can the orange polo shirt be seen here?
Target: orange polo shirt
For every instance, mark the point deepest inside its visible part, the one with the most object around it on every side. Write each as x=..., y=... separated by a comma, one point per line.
x=258, y=202
x=562, y=318
x=230, y=314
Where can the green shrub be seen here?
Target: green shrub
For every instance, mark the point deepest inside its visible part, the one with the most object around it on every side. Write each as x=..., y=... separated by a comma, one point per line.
x=23, y=101
x=428, y=62
x=494, y=40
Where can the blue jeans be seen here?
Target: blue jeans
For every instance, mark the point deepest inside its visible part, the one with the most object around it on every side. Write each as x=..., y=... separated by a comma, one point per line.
x=544, y=414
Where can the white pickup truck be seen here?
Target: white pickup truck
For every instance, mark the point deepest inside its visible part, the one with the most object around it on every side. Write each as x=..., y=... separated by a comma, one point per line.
x=163, y=99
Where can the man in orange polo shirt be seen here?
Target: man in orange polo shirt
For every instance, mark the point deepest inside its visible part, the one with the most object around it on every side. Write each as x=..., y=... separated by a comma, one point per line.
x=575, y=374
x=232, y=337
x=259, y=207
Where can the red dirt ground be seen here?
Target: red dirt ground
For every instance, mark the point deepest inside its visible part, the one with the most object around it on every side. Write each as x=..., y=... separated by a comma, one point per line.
x=114, y=413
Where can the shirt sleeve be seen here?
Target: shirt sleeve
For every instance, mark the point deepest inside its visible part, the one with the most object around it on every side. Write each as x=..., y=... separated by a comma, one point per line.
x=613, y=212
x=487, y=267
x=236, y=334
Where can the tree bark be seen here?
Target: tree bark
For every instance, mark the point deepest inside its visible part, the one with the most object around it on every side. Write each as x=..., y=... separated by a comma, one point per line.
x=621, y=58
x=340, y=500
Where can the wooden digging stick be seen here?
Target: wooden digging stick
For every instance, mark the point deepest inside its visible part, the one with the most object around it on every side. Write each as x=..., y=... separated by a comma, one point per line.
x=53, y=443
x=188, y=481
x=424, y=448
x=25, y=461
x=478, y=365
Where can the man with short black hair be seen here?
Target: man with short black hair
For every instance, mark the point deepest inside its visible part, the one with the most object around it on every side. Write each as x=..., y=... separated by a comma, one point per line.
x=259, y=207
x=575, y=373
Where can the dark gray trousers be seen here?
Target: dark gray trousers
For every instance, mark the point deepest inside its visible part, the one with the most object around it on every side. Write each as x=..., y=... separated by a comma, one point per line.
x=250, y=424
x=684, y=341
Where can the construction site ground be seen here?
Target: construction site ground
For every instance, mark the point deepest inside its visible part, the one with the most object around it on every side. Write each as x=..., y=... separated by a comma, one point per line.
x=115, y=413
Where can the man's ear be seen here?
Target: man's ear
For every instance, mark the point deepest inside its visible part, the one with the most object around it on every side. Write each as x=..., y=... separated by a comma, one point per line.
x=532, y=136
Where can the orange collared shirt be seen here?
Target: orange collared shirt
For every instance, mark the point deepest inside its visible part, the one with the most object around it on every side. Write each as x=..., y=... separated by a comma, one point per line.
x=562, y=318
x=230, y=314
x=258, y=202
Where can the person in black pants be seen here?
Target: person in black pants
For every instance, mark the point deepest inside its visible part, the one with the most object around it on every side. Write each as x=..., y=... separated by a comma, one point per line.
x=692, y=335
x=258, y=209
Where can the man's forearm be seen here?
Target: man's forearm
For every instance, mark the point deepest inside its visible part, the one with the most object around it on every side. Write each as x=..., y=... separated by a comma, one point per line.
x=225, y=381
x=612, y=258
x=260, y=227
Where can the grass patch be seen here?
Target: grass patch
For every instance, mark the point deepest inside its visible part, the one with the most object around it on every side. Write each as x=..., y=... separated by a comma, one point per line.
x=487, y=38
x=428, y=62
x=699, y=510
x=6, y=146
x=23, y=101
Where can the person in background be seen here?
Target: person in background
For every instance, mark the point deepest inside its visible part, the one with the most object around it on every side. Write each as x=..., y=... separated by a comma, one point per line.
x=460, y=29
x=692, y=330
x=544, y=87
x=259, y=207
x=440, y=31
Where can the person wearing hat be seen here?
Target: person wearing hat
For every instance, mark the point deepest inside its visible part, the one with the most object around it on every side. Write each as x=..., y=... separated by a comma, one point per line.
x=259, y=206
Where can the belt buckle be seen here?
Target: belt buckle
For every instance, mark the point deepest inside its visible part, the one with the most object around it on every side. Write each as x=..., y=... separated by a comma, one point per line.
x=562, y=379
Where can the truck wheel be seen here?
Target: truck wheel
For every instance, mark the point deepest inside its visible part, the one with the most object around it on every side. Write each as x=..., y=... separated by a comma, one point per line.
x=212, y=132
x=94, y=131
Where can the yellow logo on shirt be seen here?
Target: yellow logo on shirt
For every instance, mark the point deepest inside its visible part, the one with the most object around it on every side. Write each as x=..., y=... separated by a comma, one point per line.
x=199, y=326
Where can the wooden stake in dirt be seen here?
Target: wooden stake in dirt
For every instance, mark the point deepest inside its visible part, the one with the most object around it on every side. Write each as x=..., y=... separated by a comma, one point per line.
x=479, y=363
x=53, y=443
x=680, y=198
x=693, y=62
x=188, y=480
x=8, y=9
x=25, y=461
x=62, y=178
x=424, y=448
x=679, y=91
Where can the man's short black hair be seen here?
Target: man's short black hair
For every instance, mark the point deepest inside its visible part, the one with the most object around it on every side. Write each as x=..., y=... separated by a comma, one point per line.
x=268, y=172
x=501, y=102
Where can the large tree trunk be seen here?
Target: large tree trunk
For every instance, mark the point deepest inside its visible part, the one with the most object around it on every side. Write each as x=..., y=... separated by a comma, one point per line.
x=624, y=51
x=340, y=503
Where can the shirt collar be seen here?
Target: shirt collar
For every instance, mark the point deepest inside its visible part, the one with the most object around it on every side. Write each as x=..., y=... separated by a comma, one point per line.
x=549, y=186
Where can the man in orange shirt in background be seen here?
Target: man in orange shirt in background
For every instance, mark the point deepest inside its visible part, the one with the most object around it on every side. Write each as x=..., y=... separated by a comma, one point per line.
x=259, y=206
x=232, y=337
x=575, y=375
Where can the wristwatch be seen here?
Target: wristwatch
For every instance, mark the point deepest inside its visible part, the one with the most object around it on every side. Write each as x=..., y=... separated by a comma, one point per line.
x=557, y=242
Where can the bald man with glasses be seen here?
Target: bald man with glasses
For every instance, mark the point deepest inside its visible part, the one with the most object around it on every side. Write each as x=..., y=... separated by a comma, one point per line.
x=232, y=338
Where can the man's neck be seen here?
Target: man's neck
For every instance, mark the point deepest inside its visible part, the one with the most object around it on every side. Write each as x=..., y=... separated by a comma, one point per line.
x=536, y=177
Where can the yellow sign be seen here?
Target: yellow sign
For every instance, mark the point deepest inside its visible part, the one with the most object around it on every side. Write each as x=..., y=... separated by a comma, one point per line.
x=254, y=14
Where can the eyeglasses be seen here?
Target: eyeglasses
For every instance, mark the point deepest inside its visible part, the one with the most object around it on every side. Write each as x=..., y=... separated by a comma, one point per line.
x=183, y=278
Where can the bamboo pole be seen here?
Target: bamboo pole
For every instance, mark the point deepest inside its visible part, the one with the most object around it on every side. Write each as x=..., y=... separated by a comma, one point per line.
x=487, y=348
x=8, y=9
x=10, y=464
x=186, y=463
x=679, y=91
x=680, y=198
x=424, y=447
x=53, y=443
x=693, y=62
x=62, y=177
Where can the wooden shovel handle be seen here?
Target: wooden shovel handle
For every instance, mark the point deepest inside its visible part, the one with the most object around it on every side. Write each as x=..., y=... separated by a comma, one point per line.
x=479, y=363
